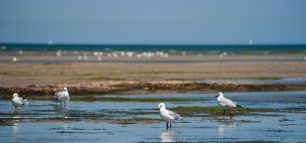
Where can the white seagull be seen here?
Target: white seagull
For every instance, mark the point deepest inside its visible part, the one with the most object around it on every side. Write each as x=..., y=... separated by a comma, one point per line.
x=18, y=101
x=62, y=96
x=167, y=115
x=225, y=103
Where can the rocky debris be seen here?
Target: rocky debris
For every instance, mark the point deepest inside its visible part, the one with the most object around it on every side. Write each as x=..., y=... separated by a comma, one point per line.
x=108, y=87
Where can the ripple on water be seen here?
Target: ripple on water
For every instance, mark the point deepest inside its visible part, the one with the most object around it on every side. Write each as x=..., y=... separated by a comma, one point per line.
x=109, y=121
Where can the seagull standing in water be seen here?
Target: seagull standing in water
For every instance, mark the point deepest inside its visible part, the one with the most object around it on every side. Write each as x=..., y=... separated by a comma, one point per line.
x=18, y=101
x=225, y=103
x=167, y=115
x=62, y=96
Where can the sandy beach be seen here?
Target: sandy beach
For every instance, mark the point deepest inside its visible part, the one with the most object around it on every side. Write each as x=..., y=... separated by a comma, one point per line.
x=13, y=74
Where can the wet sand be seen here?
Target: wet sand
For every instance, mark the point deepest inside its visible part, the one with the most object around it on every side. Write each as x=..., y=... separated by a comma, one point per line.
x=28, y=73
x=94, y=74
x=127, y=87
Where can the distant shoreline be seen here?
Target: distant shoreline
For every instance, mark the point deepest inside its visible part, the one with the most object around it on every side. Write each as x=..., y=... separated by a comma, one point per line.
x=173, y=59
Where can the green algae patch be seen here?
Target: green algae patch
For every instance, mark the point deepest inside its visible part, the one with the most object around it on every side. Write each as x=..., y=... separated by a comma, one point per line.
x=29, y=97
x=124, y=99
x=132, y=121
x=133, y=112
x=295, y=109
x=266, y=78
x=257, y=141
x=108, y=120
x=115, y=86
x=4, y=123
x=217, y=110
x=57, y=119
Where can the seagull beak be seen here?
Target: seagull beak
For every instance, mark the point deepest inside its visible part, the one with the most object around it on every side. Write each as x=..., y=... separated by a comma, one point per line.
x=217, y=95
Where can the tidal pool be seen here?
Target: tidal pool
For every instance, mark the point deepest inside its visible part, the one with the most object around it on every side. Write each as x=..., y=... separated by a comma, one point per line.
x=107, y=121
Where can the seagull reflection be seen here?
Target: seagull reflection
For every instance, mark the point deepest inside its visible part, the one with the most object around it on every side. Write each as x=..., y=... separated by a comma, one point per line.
x=16, y=120
x=60, y=110
x=17, y=117
x=167, y=135
x=15, y=128
x=15, y=131
x=225, y=128
x=65, y=126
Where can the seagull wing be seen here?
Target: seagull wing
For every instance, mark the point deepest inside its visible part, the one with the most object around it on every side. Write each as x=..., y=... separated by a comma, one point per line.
x=174, y=115
x=17, y=101
x=58, y=94
x=227, y=102
x=23, y=100
x=62, y=96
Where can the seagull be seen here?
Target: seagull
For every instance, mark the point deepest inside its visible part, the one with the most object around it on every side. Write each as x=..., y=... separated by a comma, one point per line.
x=225, y=103
x=167, y=115
x=18, y=101
x=62, y=96
x=15, y=59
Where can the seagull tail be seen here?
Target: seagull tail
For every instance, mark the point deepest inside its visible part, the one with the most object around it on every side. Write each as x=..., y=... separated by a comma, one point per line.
x=25, y=101
x=239, y=106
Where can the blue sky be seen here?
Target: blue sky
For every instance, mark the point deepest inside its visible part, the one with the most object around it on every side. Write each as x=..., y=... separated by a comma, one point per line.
x=154, y=21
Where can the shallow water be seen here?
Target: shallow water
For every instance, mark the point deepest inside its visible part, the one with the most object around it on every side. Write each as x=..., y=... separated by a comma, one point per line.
x=284, y=126
x=296, y=81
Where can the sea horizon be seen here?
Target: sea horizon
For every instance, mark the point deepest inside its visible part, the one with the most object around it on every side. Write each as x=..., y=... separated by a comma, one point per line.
x=274, y=48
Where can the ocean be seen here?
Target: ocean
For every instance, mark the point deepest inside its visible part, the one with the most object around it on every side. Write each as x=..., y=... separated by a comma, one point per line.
x=173, y=49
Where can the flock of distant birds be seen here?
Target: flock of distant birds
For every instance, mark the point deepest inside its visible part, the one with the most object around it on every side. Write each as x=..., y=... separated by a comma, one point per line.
x=165, y=114
x=116, y=54
x=83, y=56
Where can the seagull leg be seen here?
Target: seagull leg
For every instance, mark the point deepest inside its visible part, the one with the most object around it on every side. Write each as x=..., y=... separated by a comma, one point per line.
x=170, y=125
x=230, y=113
x=223, y=112
x=167, y=125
